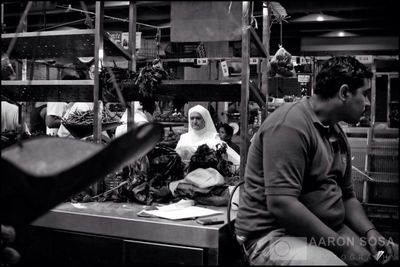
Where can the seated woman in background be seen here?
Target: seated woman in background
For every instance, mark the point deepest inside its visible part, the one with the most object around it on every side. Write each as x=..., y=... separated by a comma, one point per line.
x=201, y=131
x=225, y=133
x=142, y=115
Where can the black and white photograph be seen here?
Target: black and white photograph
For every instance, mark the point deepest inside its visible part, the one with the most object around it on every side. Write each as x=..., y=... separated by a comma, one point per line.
x=199, y=133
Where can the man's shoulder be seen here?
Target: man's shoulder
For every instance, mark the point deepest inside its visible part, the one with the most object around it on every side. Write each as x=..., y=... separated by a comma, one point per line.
x=289, y=113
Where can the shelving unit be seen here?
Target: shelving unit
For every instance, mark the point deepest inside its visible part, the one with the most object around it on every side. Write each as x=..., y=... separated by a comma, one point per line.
x=49, y=90
x=62, y=44
x=83, y=43
x=56, y=44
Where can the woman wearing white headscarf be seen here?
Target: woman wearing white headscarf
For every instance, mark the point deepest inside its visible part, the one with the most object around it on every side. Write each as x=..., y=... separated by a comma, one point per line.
x=201, y=131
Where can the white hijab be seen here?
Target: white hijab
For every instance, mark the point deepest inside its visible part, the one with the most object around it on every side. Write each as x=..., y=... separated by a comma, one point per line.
x=189, y=141
x=208, y=132
x=195, y=138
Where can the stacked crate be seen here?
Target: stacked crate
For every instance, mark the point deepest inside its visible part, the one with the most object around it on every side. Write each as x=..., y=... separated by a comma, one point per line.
x=384, y=168
x=358, y=145
x=378, y=160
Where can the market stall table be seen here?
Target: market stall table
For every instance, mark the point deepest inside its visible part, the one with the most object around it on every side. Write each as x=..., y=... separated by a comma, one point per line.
x=113, y=233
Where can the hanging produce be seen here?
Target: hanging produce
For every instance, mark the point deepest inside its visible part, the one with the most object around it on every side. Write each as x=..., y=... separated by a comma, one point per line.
x=143, y=82
x=281, y=64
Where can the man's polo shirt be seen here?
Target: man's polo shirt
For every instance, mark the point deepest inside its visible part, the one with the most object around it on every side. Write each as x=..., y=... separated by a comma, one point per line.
x=294, y=154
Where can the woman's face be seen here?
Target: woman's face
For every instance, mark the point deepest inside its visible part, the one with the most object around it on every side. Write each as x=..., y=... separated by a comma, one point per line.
x=222, y=133
x=196, y=121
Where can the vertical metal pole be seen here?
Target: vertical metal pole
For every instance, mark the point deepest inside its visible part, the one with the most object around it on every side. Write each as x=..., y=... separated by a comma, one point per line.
x=370, y=133
x=264, y=64
x=313, y=74
x=23, y=26
x=99, y=55
x=365, y=192
x=388, y=99
x=245, y=86
x=98, y=61
x=2, y=18
x=132, y=64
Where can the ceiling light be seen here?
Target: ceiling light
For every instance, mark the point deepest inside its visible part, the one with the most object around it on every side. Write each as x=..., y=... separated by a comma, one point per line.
x=338, y=34
x=316, y=17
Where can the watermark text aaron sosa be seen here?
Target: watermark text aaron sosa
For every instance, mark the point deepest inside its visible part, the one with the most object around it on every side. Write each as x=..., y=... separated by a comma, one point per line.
x=348, y=241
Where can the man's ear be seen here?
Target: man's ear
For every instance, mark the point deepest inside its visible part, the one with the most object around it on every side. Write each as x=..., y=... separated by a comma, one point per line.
x=344, y=92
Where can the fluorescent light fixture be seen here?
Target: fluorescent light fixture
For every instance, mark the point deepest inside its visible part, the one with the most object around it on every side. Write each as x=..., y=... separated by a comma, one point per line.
x=338, y=34
x=316, y=17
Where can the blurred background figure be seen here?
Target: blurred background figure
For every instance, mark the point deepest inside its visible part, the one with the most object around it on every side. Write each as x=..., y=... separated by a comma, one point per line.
x=225, y=133
x=54, y=113
x=37, y=118
x=56, y=110
x=9, y=116
x=143, y=114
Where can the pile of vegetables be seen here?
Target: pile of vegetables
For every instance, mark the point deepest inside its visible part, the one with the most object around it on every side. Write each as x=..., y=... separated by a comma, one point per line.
x=144, y=181
x=171, y=117
x=176, y=113
x=87, y=118
x=148, y=179
x=206, y=157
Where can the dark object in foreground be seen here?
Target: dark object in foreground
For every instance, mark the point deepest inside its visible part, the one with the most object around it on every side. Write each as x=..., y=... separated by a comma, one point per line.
x=45, y=171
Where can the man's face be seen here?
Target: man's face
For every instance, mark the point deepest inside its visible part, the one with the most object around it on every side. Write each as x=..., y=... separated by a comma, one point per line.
x=196, y=121
x=357, y=103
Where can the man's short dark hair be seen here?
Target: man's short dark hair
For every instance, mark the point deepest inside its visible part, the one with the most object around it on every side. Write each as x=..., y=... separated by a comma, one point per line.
x=227, y=127
x=337, y=71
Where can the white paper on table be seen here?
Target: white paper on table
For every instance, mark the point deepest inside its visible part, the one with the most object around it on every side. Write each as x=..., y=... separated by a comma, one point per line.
x=178, y=205
x=183, y=212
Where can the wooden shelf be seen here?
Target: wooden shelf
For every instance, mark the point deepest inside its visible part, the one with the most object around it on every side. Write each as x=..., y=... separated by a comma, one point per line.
x=202, y=90
x=49, y=90
x=171, y=123
x=56, y=44
x=82, y=90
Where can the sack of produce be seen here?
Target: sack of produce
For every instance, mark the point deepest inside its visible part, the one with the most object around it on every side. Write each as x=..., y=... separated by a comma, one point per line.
x=204, y=186
x=281, y=64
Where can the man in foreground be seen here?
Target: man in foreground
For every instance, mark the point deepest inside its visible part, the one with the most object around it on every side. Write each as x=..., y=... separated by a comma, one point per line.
x=298, y=205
